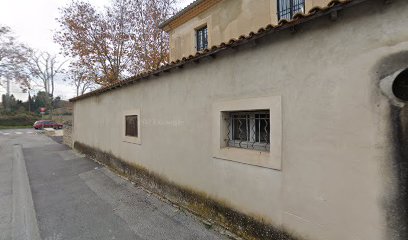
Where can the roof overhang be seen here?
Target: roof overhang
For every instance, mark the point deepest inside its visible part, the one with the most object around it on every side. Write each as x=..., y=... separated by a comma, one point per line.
x=189, y=12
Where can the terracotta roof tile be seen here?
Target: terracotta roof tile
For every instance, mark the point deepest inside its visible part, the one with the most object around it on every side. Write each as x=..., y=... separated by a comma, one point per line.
x=283, y=24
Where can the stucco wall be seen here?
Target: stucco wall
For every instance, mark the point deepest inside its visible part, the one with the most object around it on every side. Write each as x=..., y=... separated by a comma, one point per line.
x=337, y=180
x=227, y=20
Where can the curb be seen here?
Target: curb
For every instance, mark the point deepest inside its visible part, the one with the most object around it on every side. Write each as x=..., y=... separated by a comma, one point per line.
x=24, y=223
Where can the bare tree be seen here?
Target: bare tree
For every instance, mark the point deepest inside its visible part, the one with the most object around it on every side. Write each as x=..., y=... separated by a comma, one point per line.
x=13, y=56
x=83, y=86
x=81, y=78
x=44, y=67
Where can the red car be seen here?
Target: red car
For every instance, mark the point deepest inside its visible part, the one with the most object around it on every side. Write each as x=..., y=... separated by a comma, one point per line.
x=40, y=124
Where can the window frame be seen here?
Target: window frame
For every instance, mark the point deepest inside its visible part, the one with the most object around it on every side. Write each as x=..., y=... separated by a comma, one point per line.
x=197, y=34
x=131, y=139
x=128, y=131
x=220, y=149
x=292, y=11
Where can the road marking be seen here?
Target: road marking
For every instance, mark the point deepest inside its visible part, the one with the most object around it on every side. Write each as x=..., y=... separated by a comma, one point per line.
x=17, y=133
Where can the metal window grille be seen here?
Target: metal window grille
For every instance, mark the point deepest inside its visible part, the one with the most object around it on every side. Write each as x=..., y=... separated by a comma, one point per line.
x=288, y=8
x=131, y=126
x=202, y=38
x=248, y=129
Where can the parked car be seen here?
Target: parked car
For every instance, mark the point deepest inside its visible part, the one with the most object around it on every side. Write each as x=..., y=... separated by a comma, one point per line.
x=40, y=124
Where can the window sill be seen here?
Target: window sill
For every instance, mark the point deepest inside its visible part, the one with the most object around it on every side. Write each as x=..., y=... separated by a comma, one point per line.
x=247, y=156
x=132, y=140
x=271, y=159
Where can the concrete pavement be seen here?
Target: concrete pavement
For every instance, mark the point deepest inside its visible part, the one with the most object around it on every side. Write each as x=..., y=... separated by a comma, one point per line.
x=24, y=221
x=75, y=198
x=6, y=189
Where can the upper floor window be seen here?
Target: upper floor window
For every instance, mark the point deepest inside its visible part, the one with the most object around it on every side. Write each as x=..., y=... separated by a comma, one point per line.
x=202, y=38
x=288, y=8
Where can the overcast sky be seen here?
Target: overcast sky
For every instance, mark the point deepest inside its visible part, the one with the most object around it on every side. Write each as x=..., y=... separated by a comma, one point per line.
x=33, y=22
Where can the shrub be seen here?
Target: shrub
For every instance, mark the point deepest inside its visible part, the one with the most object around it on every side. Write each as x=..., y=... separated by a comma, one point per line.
x=18, y=119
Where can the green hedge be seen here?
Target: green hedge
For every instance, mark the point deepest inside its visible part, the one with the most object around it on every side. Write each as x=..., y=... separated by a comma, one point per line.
x=18, y=119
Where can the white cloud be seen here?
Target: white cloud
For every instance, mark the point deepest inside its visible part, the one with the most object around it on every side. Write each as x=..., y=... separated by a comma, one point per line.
x=184, y=3
x=34, y=21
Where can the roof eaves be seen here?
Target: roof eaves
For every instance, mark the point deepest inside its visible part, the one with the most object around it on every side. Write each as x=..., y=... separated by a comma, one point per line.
x=180, y=13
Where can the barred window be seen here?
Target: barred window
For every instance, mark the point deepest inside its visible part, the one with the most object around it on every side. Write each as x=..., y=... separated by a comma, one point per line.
x=248, y=129
x=131, y=126
x=202, y=38
x=288, y=8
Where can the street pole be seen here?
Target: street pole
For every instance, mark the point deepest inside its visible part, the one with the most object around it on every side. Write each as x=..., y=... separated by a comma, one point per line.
x=8, y=96
x=8, y=87
x=29, y=101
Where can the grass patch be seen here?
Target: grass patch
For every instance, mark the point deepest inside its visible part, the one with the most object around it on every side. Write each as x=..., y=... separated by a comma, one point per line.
x=15, y=127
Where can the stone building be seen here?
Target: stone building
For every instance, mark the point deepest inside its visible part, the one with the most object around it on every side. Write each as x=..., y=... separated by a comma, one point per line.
x=296, y=129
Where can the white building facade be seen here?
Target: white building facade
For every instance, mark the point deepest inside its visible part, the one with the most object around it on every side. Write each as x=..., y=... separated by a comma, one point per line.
x=297, y=131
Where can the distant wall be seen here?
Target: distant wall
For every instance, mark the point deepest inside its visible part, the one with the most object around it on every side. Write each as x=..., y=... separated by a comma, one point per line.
x=61, y=118
x=68, y=131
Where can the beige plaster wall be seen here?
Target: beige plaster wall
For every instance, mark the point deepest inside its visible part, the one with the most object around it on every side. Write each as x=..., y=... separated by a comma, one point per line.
x=227, y=20
x=336, y=173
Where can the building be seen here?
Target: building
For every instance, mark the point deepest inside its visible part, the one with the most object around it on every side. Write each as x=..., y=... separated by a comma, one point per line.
x=204, y=23
x=294, y=131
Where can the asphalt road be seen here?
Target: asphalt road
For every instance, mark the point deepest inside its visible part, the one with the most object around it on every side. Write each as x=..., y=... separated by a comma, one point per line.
x=72, y=197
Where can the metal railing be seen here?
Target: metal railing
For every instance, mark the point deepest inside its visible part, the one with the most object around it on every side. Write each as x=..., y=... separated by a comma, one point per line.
x=248, y=129
x=288, y=8
x=202, y=38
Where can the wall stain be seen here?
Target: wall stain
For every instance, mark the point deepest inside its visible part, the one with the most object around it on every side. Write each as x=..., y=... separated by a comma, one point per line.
x=199, y=203
x=399, y=118
x=397, y=207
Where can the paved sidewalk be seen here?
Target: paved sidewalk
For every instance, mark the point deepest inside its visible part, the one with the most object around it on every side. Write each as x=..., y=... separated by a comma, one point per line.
x=75, y=198
x=6, y=194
